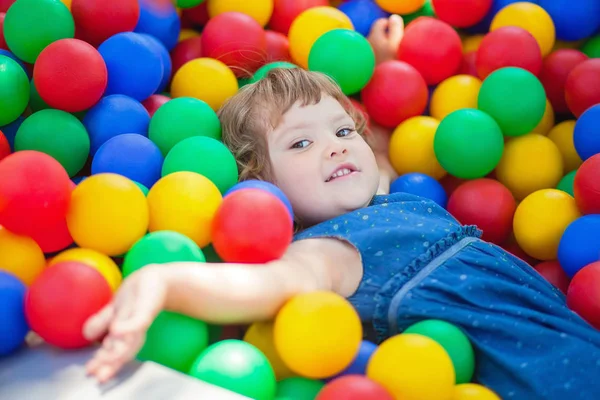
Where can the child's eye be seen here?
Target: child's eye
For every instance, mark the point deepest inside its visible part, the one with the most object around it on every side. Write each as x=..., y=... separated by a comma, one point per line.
x=300, y=144
x=344, y=132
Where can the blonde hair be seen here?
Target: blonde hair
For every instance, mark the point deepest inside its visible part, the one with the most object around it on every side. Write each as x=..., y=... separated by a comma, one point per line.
x=257, y=108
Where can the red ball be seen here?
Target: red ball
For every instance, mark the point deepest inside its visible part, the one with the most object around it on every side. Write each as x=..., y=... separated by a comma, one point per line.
x=184, y=51
x=586, y=186
x=553, y=75
x=469, y=64
x=461, y=13
x=4, y=146
x=509, y=46
x=353, y=387
x=237, y=40
x=154, y=102
x=96, y=21
x=286, y=11
x=486, y=203
x=35, y=191
x=5, y=4
x=396, y=92
x=433, y=47
x=251, y=226
x=583, y=295
x=70, y=75
x=582, y=89
x=61, y=299
x=278, y=47
x=197, y=15
x=553, y=272
x=3, y=44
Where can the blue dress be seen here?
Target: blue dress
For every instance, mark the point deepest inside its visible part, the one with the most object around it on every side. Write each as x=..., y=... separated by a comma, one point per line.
x=420, y=263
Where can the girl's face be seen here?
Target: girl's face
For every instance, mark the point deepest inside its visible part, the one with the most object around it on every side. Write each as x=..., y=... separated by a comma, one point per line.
x=321, y=163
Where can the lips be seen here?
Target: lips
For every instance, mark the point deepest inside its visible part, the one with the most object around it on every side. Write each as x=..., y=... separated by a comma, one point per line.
x=342, y=170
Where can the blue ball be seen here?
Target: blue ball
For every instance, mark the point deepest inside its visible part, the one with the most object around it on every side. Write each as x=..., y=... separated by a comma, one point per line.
x=160, y=20
x=420, y=185
x=134, y=66
x=8, y=54
x=585, y=136
x=363, y=13
x=115, y=115
x=131, y=155
x=359, y=364
x=580, y=244
x=78, y=179
x=573, y=20
x=13, y=328
x=483, y=26
x=269, y=187
x=10, y=131
x=166, y=60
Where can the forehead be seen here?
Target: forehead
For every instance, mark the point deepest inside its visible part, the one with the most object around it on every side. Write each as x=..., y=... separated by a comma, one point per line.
x=327, y=110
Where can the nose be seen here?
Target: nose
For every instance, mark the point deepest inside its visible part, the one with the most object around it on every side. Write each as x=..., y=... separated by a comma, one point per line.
x=337, y=152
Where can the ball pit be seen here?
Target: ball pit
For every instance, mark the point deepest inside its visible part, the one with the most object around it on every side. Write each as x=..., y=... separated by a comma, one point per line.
x=159, y=18
x=15, y=327
x=555, y=70
x=562, y=135
x=53, y=238
x=461, y=14
x=454, y=93
x=15, y=93
x=573, y=21
x=259, y=10
x=586, y=186
x=579, y=245
x=583, y=296
x=582, y=88
x=97, y=21
x=585, y=139
x=20, y=256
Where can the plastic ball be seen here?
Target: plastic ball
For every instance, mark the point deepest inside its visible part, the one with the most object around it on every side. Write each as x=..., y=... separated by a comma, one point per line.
x=185, y=51
x=134, y=67
x=400, y=7
x=237, y=366
x=188, y=3
x=540, y=220
x=278, y=46
x=420, y=185
x=363, y=14
x=154, y=102
x=15, y=90
x=97, y=21
x=425, y=11
x=453, y=94
x=251, y=226
x=471, y=42
x=269, y=187
x=473, y=391
x=582, y=88
x=580, y=244
x=12, y=312
x=35, y=192
x=261, y=336
x=5, y=149
x=359, y=59
x=286, y=11
x=583, y=295
x=53, y=238
x=468, y=144
x=562, y=136
x=10, y=130
x=530, y=17
x=298, y=388
x=567, y=182
x=353, y=387
x=259, y=10
x=390, y=107
x=20, y=256
x=61, y=300
x=112, y=116
x=555, y=70
x=108, y=213
x=309, y=26
x=264, y=70
x=159, y=18
x=553, y=273
x=165, y=58
x=585, y=138
x=468, y=65
x=237, y=40
x=98, y=261
x=360, y=362
x=547, y=122
x=573, y=21
x=454, y=341
x=26, y=68
x=184, y=202
x=205, y=79
x=50, y=22
x=592, y=47
x=317, y=334
x=413, y=367
x=58, y=134
x=461, y=14
x=587, y=187
x=509, y=46
x=435, y=60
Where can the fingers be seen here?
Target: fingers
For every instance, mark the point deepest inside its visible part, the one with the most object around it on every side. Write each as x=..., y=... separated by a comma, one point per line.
x=378, y=29
x=395, y=29
x=98, y=324
x=115, y=352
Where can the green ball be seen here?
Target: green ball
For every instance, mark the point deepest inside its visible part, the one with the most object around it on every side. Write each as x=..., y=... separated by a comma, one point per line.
x=468, y=143
x=188, y=3
x=515, y=98
x=180, y=119
x=58, y=134
x=143, y=188
x=214, y=333
x=161, y=247
x=28, y=32
x=174, y=340
x=298, y=388
x=211, y=254
x=264, y=70
x=346, y=56
x=425, y=11
x=454, y=341
x=236, y=366
x=566, y=183
x=205, y=156
x=14, y=95
x=592, y=47
x=244, y=81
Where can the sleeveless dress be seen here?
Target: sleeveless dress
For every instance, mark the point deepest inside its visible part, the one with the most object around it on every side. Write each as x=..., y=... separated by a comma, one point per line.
x=420, y=263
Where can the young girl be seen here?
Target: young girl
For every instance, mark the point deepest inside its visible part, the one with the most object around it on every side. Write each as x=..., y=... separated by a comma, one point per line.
x=399, y=259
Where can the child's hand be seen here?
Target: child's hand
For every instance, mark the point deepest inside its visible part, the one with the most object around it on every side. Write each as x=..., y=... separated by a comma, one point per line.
x=385, y=37
x=125, y=320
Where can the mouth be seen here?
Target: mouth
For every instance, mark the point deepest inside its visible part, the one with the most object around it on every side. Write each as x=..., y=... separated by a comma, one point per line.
x=342, y=171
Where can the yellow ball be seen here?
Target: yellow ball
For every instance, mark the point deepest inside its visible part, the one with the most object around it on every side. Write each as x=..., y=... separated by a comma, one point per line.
x=317, y=334
x=100, y=262
x=401, y=7
x=529, y=163
x=562, y=136
x=67, y=3
x=454, y=93
x=473, y=391
x=471, y=43
x=411, y=147
x=261, y=336
x=309, y=26
x=20, y=256
x=540, y=220
x=206, y=79
x=531, y=17
x=187, y=34
x=184, y=202
x=413, y=367
x=547, y=121
x=260, y=10
x=108, y=213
